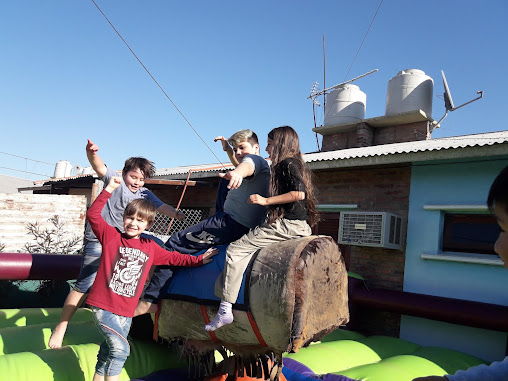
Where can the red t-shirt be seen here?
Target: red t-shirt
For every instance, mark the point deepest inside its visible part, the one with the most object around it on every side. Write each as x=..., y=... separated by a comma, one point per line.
x=125, y=263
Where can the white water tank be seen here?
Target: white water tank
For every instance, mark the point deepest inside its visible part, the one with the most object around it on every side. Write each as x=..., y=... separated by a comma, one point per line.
x=345, y=104
x=62, y=169
x=87, y=170
x=409, y=90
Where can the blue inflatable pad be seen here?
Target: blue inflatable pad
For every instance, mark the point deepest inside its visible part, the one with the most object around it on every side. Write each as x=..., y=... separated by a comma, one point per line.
x=196, y=284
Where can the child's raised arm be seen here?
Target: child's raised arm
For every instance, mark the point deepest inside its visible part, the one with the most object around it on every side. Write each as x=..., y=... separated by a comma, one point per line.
x=227, y=148
x=113, y=184
x=94, y=159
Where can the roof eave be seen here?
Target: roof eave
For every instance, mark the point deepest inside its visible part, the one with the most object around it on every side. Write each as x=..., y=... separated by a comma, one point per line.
x=475, y=152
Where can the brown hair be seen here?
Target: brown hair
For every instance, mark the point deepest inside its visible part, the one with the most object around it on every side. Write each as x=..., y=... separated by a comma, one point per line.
x=146, y=166
x=141, y=208
x=287, y=145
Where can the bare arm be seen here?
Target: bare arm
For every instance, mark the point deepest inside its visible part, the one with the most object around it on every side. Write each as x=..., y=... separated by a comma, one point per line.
x=95, y=161
x=169, y=211
x=227, y=148
x=285, y=198
x=237, y=175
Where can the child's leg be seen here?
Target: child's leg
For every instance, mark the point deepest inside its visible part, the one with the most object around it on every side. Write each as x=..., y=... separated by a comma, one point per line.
x=72, y=302
x=227, y=285
x=114, y=351
x=98, y=377
x=89, y=266
x=239, y=255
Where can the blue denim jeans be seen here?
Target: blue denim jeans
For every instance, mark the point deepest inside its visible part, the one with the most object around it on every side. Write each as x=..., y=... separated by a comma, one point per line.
x=114, y=351
x=90, y=261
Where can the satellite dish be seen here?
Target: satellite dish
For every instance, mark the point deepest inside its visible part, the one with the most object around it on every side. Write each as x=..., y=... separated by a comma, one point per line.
x=78, y=169
x=449, y=106
x=447, y=95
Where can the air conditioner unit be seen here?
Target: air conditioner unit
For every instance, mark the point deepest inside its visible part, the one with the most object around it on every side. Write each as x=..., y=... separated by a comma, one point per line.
x=375, y=229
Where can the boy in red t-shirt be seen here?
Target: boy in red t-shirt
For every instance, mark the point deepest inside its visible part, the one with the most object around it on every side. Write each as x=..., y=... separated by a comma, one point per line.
x=125, y=262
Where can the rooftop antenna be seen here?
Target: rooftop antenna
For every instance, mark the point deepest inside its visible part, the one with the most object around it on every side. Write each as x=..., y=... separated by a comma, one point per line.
x=314, y=94
x=449, y=101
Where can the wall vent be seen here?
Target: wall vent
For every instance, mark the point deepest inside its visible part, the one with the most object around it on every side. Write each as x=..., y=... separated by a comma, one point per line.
x=375, y=229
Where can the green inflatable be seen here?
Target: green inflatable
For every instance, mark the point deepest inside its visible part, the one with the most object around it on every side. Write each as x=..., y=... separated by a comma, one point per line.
x=376, y=358
x=25, y=356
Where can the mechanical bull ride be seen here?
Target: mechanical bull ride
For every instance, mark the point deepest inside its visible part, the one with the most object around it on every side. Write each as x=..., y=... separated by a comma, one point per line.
x=294, y=292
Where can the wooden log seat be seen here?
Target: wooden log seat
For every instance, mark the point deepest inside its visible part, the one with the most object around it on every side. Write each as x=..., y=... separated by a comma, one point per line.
x=295, y=292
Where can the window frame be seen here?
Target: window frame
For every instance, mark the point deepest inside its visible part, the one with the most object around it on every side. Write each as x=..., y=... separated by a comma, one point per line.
x=450, y=244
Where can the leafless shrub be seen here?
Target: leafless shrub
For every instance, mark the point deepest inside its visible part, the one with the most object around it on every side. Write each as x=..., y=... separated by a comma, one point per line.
x=51, y=240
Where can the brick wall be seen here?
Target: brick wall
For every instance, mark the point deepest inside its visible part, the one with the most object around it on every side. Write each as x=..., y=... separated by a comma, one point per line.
x=364, y=135
x=401, y=133
x=341, y=140
x=373, y=190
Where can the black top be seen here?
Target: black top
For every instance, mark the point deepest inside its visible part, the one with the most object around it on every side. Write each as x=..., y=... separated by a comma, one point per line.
x=288, y=173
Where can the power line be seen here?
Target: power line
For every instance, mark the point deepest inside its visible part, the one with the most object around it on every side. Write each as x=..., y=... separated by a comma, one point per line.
x=19, y=170
x=26, y=158
x=157, y=83
x=364, y=37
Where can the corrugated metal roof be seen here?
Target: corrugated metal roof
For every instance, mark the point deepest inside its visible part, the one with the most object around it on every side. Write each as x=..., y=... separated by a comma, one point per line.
x=455, y=142
x=381, y=154
x=57, y=179
x=373, y=155
x=217, y=167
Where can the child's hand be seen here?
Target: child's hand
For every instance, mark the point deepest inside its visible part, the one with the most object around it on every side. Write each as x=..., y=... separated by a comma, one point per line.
x=235, y=180
x=180, y=216
x=207, y=255
x=113, y=184
x=257, y=199
x=91, y=147
x=224, y=141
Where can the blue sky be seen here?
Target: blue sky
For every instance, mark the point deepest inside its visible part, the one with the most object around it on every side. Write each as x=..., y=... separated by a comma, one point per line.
x=65, y=75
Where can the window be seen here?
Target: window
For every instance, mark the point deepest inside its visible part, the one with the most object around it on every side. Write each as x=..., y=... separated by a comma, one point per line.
x=470, y=233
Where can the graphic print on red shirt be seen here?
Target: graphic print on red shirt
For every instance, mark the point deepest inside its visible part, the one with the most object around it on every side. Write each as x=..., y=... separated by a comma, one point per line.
x=127, y=271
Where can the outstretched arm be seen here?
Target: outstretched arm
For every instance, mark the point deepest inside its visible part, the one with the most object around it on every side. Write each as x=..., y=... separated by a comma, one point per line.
x=226, y=147
x=169, y=211
x=237, y=175
x=95, y=161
